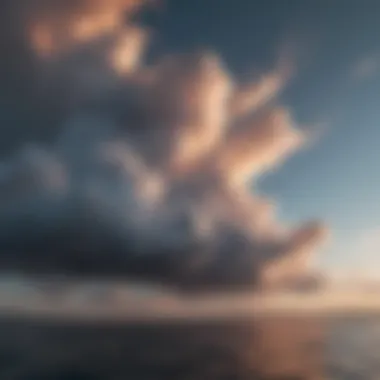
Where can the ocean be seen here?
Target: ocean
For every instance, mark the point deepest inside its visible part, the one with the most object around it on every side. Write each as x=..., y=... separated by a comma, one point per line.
x=290, y=347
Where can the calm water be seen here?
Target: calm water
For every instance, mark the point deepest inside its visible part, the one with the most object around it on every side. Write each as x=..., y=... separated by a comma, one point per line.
x=274, y=348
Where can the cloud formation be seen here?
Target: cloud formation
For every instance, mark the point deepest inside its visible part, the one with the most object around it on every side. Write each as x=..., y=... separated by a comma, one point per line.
x=135, y=170
x=365, y=68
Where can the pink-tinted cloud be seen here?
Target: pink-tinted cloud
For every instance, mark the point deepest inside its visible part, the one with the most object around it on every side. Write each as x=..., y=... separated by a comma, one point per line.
x=155, y=161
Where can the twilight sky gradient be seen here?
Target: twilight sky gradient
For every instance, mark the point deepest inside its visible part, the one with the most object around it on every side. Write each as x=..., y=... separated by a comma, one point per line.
x=337, y=84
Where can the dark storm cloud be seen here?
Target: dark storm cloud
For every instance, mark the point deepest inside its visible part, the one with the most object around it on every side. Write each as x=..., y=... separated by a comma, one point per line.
x=135, y=170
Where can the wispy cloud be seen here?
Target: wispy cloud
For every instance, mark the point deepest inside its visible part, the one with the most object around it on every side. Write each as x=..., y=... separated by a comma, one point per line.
x=366, y=67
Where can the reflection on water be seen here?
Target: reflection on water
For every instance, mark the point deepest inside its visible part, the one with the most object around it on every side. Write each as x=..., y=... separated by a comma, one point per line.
x=354, y=349
x=291, y=347
x=274, y=348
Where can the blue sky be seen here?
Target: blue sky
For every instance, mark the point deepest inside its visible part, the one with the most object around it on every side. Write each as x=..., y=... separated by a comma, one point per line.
x=337, y=83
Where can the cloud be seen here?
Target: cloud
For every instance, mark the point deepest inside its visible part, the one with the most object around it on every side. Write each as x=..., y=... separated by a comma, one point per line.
x=58, y=25
x=259, y=144
x=365, y=68
x=140, y=171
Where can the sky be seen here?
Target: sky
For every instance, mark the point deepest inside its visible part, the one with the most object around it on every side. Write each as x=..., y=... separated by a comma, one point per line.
x=335, y=90
x=148, y=139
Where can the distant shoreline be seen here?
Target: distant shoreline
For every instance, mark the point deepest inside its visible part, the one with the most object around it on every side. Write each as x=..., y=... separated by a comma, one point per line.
x=161, y=309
